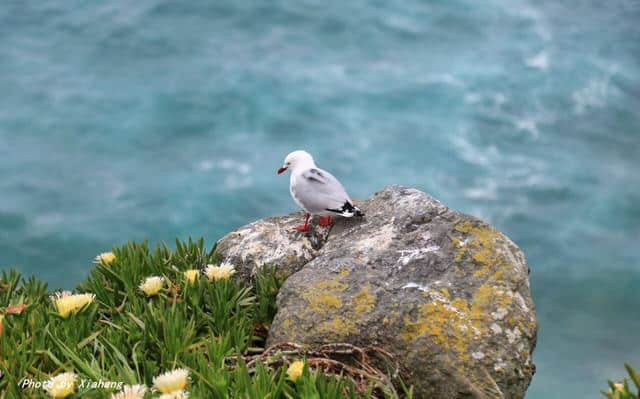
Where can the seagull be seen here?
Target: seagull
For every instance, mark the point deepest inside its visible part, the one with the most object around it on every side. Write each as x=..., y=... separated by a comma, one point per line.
x=316, y=191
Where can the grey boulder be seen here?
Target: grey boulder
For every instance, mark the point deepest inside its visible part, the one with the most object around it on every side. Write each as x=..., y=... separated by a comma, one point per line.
x=446, y=293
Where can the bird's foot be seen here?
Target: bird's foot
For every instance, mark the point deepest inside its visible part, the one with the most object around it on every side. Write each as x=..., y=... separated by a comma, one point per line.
x=324, y=221
x=302, y=228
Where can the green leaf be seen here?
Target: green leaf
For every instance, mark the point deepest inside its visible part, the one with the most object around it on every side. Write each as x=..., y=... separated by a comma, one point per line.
x=634, y=376
x=72, y=355
x=88, y=339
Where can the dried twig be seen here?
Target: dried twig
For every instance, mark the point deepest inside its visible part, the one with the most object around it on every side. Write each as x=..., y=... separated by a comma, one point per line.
x=362, y=365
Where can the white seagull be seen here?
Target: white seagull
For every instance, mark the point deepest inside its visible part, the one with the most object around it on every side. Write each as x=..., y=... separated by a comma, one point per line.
x=316, y=191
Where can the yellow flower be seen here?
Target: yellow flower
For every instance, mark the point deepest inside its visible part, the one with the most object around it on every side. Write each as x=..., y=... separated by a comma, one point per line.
x=61, y=385
x=152, y=285
x=222, y=272
x=295, y=370
x=67, y=303
x=130, y=392
x=172, y=381
x=174, y=395
x=619, y=386
x=105, y=258
x=192, y=275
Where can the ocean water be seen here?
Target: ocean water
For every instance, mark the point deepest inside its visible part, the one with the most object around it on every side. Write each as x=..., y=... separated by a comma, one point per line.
x=159, y=119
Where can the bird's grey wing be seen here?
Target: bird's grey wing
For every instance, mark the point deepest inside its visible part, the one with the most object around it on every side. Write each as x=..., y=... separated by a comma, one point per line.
x=320, y=191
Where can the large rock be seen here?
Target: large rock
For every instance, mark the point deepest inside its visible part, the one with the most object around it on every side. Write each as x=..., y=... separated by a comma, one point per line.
x=445, y=292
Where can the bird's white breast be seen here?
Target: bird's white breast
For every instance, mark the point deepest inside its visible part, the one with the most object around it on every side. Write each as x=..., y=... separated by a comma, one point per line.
x=292, y=190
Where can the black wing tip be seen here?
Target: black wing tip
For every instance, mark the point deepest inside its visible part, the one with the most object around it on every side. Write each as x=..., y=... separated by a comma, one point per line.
x=348, y=208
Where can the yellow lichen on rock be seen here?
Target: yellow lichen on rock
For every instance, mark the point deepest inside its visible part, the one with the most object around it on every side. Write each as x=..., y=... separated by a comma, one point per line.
x=323, y=295
x=486, y=299
x=338, y=311
x=364, y=301
x=323, y=303
x=338, y=328
x=447, y=324
x=455, y=324
x=332, y=285
x=458, y=329
x=487, y=304
x=480, y=246
x=286, y=324
x=460, y=303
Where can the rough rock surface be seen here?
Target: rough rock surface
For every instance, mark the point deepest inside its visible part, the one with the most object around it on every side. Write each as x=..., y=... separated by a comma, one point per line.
x=272, y=241
x=445, y=292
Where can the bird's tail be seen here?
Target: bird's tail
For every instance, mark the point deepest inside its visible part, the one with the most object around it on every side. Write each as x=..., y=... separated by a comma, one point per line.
x=357, y=212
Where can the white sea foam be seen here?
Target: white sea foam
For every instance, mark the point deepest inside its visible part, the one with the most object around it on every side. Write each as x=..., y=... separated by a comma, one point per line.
x=225, y=164
x=47, y=220
x=445, y=78
x=538, y=61
x=593, y=95
x=495, y=99
x=205, y=165
x=500, y=99
x=528, y=125
x=473, y=97
x=473, y=154
x=234, y=182
x=483, y=189
x=231, y=164
x=237, y=174
x=525, y=11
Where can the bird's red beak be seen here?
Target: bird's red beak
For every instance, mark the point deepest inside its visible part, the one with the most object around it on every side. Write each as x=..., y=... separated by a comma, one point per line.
x=282, y=169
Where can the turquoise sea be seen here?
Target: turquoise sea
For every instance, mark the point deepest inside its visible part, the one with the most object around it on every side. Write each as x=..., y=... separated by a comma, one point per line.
x=157, y=119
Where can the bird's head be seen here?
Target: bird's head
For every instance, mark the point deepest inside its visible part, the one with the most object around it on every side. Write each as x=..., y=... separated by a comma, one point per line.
x=297, y=159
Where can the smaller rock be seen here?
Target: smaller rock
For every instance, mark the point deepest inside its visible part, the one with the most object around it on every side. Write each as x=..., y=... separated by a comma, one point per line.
x=271, y=241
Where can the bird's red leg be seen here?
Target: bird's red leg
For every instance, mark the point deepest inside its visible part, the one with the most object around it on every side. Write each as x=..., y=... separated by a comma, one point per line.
x=305, y=226
x=324, y=221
